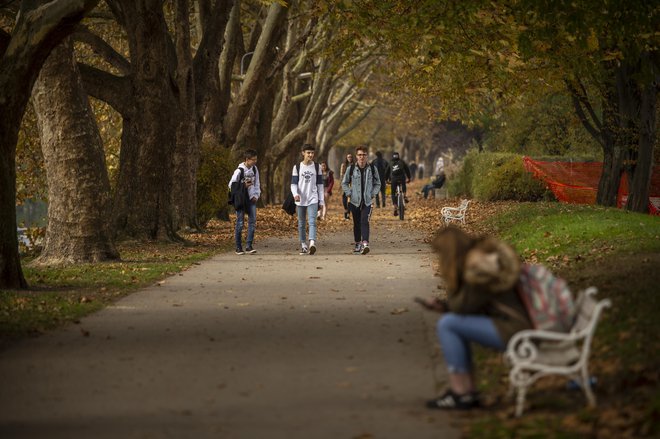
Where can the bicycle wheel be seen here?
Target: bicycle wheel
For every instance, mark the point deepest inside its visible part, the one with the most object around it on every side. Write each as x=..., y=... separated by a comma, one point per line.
x=402, y=205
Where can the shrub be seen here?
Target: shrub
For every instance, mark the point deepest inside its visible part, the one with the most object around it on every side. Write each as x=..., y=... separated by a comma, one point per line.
x=497, y=176
x=216, y=167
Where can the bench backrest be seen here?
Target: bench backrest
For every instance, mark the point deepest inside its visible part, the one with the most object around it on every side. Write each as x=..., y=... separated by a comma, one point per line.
x=588, y=310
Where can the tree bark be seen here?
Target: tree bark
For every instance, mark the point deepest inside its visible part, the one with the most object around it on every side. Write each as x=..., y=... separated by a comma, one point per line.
x=40, y=27
x=142, y=205
x=78, y=187
x=255, y=77
x=640, y=181
x=186, y=152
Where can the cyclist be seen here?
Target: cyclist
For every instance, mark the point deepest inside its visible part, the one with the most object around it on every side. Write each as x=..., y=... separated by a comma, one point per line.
x=398, y=173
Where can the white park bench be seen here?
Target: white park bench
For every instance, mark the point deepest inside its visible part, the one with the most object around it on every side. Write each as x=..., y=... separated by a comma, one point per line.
x=450, y=214
x=535, y=353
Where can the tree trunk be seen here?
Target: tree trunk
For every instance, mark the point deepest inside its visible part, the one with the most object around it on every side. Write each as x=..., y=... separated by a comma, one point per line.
x=40, y=27
x=186, y=152
x=255, y=77
x=639, y=188
x=78, y=186
x=142, y=207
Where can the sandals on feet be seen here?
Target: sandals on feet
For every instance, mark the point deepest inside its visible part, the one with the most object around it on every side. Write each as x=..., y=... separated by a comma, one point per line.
x=451, y=401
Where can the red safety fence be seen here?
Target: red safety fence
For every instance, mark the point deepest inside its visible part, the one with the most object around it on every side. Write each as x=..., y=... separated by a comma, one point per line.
x=577, y=182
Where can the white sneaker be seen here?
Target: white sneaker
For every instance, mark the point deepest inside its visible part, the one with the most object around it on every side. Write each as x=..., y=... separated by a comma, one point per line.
x=365, y=248
x=304, y=250
x=312, y=247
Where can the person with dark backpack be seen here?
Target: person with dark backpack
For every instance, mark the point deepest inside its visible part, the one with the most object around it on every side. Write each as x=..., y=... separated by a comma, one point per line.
x=398, y=174
x=245, y=189
x=361, y=184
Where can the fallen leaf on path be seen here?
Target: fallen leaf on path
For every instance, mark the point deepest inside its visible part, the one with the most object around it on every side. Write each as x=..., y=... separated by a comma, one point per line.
x=398, y=311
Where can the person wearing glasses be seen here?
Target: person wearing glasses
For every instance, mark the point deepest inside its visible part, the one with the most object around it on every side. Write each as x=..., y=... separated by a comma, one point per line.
x=361, y=184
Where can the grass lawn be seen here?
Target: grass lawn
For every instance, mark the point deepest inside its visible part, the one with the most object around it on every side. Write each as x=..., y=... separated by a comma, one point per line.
x=618, y=252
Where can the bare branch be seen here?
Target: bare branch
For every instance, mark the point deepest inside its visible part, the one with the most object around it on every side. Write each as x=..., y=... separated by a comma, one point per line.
x=103, y=49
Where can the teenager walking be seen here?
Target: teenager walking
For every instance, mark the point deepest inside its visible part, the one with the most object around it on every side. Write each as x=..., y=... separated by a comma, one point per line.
x=342, y=172
x=361, y=184
x=248, y=174
x=307, y=189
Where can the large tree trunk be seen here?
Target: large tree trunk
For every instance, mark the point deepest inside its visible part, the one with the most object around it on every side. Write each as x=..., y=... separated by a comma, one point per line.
x=78, y=186
x=40, y=27
x=144, y=186
x=186, y=152
x=645, y=137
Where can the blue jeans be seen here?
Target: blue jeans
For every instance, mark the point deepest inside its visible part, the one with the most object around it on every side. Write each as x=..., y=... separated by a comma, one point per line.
x=252, y=223
x=457, y=331
x=310, y=212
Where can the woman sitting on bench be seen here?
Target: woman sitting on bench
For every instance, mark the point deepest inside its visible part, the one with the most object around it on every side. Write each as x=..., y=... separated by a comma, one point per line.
x=479, y=273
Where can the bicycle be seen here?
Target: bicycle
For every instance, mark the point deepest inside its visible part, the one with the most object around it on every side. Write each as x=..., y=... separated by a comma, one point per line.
x=400, y=201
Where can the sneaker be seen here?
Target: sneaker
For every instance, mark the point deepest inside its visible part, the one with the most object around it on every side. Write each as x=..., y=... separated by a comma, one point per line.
x=358, y=247
x=365, y=248
x=304, y=250
x=346, y=214
x=250, y=250
x=396, y=212
x=312, y=247
x=452, y=401
x=239, y=251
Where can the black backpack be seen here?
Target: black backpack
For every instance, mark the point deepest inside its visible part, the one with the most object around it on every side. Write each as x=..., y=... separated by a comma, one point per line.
x=238, y=194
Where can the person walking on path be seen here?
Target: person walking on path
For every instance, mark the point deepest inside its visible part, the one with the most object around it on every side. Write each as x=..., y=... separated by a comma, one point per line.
x=398, y=174
x=342, y=171
x=361, y=184
x=307, y=189
x=381, y=165
x=248, y=174
x=328, y=181
x=480, y=275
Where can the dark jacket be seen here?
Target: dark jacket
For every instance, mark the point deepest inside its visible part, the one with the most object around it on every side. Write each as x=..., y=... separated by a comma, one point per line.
x=394, y=165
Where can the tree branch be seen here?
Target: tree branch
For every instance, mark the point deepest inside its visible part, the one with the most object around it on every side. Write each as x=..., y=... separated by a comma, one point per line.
x=577, y=104
x=103, y=49
x=107, y=87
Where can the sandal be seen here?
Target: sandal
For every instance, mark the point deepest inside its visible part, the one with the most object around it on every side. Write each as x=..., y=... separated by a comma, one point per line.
x=451, y=401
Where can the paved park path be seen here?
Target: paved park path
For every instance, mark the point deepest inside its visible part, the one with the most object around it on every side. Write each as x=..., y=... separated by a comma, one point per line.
x=271, y=345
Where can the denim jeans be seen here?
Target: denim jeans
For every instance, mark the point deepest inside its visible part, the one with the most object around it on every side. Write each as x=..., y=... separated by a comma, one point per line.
x=457, y=331
x=310, y=212
x=252, y=222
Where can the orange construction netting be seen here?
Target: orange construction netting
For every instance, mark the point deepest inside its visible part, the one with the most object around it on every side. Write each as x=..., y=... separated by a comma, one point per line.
x=577, y=182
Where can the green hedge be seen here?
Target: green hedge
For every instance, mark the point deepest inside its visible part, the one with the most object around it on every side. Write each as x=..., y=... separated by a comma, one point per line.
x=490, y=176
